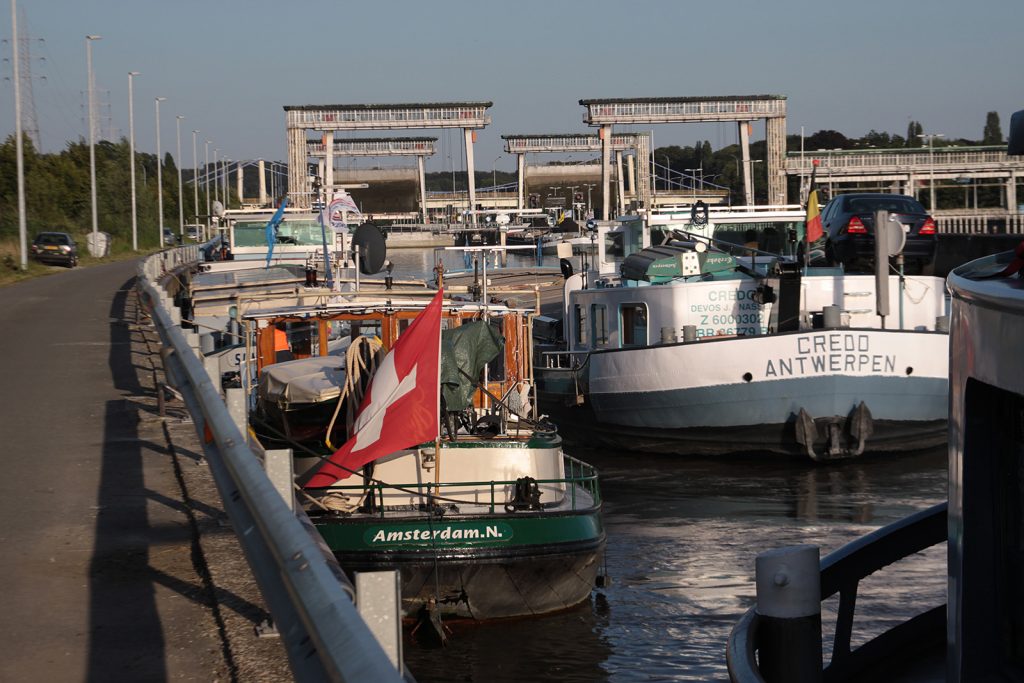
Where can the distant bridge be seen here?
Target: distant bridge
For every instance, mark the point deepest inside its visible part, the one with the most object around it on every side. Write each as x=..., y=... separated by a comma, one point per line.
x=907, y=171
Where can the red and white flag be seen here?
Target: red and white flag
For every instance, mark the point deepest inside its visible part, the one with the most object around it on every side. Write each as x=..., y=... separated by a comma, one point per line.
x=401, y=405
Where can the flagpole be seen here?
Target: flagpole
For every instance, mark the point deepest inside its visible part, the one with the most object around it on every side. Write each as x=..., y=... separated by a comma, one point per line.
x=437, y=440
x=328, y=272
x=807, y=236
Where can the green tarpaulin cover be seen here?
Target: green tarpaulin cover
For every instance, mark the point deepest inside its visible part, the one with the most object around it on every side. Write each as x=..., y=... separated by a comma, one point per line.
x=468, y=348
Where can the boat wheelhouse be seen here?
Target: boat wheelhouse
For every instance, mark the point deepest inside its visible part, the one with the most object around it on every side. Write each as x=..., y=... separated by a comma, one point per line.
x=299, y=237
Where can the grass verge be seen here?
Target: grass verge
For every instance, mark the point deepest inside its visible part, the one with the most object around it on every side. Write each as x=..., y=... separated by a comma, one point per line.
x=10, y=259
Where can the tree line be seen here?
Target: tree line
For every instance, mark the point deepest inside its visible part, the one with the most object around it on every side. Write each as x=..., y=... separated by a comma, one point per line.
x=57, y=188
x=57, y=191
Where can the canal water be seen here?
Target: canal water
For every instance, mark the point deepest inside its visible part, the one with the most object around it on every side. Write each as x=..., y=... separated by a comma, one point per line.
x=683, y=534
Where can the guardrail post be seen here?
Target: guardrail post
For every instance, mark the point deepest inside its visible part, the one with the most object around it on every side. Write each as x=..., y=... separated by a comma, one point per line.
x=235, y=400
x=280, y=470
x=169, y=374
x=379, y=600
x=789, y=606
x=173, y=311
x=212, y=366
x=192, y=339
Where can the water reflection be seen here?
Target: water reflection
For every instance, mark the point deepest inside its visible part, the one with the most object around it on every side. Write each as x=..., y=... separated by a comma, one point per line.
x=682, y=538
x=569, y=647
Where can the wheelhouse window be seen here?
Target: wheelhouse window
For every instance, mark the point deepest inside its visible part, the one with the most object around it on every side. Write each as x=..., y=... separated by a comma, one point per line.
x=292, y=232
x=615, y=245
x=633, y=324
x=366, y=328
x=578, y=330
x=599, y=324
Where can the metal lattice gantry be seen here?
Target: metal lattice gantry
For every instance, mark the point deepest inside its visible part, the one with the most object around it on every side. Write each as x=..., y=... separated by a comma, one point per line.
x=469, y=116
x=638, y=143
x=605, y=113
x=374, y=147
x=419, y=147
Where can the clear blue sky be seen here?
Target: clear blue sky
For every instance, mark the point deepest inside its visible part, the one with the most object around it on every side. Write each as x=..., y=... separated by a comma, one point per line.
x=229, y=66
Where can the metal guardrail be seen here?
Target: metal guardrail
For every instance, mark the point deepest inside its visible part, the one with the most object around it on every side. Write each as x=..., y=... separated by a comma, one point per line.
x=324, y=636
x=980, y=222
x=841, y=572
x=923, y=158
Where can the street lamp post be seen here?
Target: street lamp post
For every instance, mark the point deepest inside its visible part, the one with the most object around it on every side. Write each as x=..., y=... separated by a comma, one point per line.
x=195, y=179
x=751, y=193
x=206, y=181
x=19, y=151
x=159, y=173
x=931, y=168
x=693, y=178
x=225, y=170
x=752, y=162
x=555, y=192
x=181, y=196
x=590, y=186
x=131, y=154
x=216, y=174
x=92, y=134
x=494, y=177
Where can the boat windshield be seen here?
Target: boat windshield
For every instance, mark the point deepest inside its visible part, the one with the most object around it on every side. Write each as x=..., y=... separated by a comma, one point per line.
x=304, y=232
x=769, y=236
x=626, y=240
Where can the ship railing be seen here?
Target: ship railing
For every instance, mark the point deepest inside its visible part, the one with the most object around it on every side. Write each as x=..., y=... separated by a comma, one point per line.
x=414, y=228
x=841, y=573
x=563, y=359
x=984, y=222
x=324, y=635
x=579, y=477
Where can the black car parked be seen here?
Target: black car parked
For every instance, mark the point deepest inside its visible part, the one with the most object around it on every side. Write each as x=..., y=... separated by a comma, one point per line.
x=55, y=247
x=849, y=224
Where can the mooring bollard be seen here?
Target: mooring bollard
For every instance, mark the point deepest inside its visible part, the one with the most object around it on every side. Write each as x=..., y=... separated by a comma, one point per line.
x=831, y=317
x=789, y=611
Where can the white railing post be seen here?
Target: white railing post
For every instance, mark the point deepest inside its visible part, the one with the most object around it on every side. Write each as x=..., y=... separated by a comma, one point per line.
x=789, y=610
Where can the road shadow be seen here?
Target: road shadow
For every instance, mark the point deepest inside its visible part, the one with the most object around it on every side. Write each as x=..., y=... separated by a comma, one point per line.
x=129, y=630
x=126, y=636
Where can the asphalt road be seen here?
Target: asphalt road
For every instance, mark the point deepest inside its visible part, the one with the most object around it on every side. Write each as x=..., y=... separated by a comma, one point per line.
x=116, y=562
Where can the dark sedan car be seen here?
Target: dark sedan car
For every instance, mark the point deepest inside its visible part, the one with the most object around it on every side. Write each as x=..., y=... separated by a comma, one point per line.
x=55, y=247
x=849, y=224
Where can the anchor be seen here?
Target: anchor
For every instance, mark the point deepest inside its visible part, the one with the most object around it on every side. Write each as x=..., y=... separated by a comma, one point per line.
x=859, y=424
